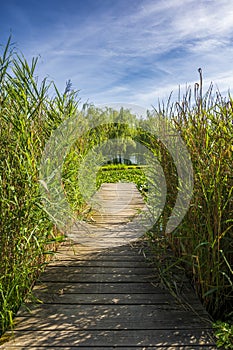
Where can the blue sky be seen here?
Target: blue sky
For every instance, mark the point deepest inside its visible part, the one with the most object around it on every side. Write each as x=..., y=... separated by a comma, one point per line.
x=125, y=51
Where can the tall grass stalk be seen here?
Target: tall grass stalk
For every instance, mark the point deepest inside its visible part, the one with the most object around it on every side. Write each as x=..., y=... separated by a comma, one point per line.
x=27, y=118
x=204, y=239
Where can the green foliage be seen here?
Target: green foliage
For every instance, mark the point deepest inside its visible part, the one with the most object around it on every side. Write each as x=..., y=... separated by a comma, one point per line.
x=224, y=334
x=27, y=118
x=204, y=238
x=123, y=174
x=89, y=151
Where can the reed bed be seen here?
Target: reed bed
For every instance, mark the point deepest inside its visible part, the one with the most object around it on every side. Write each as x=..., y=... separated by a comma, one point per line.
x=27, y=236
x=202, y=243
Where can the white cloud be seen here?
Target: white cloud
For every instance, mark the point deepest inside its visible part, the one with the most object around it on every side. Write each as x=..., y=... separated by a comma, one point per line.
x=143, y=54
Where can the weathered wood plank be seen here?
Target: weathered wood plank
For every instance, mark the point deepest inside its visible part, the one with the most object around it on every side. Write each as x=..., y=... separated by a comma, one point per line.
x=70, y=245
x=99, y=263
x=137, y=347
x=134, y=270
x=120, y=337
x=99, y=277
x=50, y=347
x=102, y=299
x=73, y=250
x=71, y=255
x=99, y=274
x=108, y=317
x=116, y=287
x=68, y=324
x=40, y=310
x=93, y=347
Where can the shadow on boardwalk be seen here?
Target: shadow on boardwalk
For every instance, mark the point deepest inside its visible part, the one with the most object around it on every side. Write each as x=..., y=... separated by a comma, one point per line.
x=93, y=298
x=109, y=300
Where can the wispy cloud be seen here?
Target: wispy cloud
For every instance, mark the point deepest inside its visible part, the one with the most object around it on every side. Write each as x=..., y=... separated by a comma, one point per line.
x=135, y=51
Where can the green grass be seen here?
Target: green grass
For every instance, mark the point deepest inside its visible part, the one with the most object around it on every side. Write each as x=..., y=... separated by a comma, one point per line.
x=27, y=118
x=123, y=174
x=224, y=334
x=203, y=243
x=106, y=174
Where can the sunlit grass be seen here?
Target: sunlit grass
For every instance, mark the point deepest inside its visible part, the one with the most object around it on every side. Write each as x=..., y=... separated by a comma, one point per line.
x=203, y=241
x=123, y=174
x=27, y=117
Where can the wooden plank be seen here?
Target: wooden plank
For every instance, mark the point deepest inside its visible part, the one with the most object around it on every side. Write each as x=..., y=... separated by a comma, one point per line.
x=81, y=270
x=198, y=347
x=69, y=324
x=93, y=347
x=88, y=288
x=100, y=263
x=120, y=337
x=71, y=249
x=203, y=347
x=114, y=313
x=102, y=299
x=97, y=277
x=56, y=275
x=84, y=255
x=121, y=311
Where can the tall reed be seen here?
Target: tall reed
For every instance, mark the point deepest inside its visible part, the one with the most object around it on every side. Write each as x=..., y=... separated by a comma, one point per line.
x=203, y=241
x=27, y=118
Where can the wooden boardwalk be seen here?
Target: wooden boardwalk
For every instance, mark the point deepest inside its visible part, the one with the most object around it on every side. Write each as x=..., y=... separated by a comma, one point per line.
x=111, y=298
x=119, y=217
